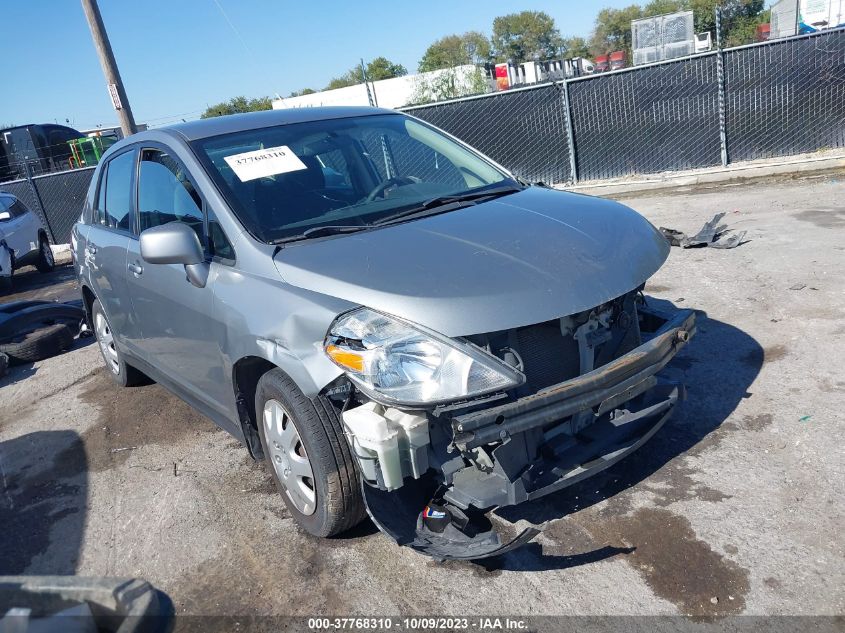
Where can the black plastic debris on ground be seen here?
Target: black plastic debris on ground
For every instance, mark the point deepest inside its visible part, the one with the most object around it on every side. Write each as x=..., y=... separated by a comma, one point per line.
x=712, y=234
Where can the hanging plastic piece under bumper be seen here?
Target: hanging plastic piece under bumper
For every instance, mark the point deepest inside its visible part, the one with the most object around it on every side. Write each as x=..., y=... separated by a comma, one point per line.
x=537, y=445
x=465, y=536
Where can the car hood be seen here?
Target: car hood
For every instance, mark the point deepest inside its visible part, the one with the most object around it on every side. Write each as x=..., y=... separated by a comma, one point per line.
x=525, y=258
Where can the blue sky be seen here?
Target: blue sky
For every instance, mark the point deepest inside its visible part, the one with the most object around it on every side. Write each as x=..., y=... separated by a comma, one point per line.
x=178, y=56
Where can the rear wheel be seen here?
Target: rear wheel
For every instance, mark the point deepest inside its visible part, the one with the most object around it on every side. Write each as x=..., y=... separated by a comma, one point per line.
x=46, y=261
x=123, y=374
x=308, y=457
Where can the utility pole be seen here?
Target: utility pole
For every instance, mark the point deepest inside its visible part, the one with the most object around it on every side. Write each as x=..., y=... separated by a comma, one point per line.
x=115, y=85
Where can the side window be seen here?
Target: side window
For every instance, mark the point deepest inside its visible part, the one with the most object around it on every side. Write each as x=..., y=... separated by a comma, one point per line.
x=114, y=199
x=165, y=194
x=18, y=209
x=89, y=210
x=219, y=244
x=100, y=203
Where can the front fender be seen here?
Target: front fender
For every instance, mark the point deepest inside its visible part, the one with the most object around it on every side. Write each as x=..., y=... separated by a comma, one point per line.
x=267, y=318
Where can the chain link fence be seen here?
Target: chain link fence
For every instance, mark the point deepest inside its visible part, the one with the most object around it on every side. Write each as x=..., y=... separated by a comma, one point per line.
x=57, y=198
x=785, y=98
x=523, y=129
x=646, y=120
x=780, y=98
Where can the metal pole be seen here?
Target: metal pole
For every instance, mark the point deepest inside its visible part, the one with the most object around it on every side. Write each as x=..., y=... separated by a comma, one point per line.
x=115, y=85
x=570, y=133
x=720, y=77
x=370, y=97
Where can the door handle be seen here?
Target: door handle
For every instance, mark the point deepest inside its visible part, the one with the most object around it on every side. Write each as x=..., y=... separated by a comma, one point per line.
x=135, y=269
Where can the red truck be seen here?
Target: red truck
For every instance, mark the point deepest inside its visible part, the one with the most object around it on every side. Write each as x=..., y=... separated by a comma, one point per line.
x=602, y=64
x=617, y=60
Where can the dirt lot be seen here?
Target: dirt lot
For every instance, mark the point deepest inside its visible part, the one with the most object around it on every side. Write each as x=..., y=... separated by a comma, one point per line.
x=736, y=506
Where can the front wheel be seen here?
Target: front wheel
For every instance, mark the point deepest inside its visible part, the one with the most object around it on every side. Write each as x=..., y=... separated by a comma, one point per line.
x=121, y=372
x=308, y=457
x=46, y=261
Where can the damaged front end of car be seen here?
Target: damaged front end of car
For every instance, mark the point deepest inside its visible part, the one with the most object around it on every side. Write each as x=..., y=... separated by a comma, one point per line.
x=446, y=430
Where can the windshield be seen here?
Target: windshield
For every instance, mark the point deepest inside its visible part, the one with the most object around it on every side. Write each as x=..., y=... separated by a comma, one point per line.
x=282, y=181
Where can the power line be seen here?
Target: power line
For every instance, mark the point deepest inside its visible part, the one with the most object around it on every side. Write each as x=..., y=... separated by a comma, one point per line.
x=235, y=31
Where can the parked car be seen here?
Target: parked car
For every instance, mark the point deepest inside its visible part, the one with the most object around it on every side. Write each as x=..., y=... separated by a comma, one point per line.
x=418, y=334
x=23, y=240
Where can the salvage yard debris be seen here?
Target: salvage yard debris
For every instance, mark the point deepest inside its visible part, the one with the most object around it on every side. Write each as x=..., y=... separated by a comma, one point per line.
x=34, y=330
x=712, y=234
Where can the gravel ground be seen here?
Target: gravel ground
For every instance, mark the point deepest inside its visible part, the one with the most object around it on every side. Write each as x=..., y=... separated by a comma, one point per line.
x=736, y=506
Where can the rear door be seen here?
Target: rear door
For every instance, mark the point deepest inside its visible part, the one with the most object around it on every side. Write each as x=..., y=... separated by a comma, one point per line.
x=27, y=231
x=180, y=334
x=111, y=229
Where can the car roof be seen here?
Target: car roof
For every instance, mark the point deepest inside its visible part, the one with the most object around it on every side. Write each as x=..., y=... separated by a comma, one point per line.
x=204, y=128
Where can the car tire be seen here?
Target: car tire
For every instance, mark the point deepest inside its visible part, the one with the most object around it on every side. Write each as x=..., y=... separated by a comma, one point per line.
x=124, y=374
x=39, y=344
x=46, y=260
x=316, y=437
x=19, y=317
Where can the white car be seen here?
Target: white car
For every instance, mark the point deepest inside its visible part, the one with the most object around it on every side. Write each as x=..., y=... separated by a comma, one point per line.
x=23, y=240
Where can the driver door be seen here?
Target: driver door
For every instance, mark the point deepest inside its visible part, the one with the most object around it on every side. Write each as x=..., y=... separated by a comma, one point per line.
x=180, y=333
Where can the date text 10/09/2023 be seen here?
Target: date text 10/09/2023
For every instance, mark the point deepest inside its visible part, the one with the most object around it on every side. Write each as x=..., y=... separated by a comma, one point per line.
x=422, y=623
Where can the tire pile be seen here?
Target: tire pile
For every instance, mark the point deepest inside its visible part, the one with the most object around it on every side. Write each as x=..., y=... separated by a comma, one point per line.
x=35, y=330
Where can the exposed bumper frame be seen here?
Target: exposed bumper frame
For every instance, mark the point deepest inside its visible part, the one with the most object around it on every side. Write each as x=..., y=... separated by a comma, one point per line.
x=625, y=398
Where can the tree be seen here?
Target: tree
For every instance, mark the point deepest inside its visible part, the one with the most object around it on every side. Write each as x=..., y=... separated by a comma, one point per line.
x=524, y=36
x=575, y=47
x=449, y=83
x=236, y=105
x=613, y=30
x=349, y=78
x=379, y=68
x=739, y=19
x=662, y=7
x=456, y=50
x=304, y=91
x=382, y=68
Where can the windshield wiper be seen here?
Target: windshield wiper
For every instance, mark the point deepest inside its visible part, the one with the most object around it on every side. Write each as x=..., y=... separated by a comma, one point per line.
x=434, y=205
x=318, y=231
x=439, y=203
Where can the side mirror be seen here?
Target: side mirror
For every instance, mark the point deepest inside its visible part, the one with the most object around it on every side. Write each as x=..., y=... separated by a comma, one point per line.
x=176, y=243
x=171, y=243
x=5, y=215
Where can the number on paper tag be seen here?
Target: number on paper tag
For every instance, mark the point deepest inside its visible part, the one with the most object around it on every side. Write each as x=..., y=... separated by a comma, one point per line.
x=264, y=162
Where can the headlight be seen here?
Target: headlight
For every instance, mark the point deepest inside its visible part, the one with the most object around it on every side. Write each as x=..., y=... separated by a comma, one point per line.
x=395, y=362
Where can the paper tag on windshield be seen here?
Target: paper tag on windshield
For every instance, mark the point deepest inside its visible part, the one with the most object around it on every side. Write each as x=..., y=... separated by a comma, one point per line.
x=264, y=162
